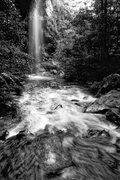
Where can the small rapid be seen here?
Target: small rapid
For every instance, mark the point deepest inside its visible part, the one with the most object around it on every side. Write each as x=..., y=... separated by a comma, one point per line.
x=61, y=141
x=57, y=108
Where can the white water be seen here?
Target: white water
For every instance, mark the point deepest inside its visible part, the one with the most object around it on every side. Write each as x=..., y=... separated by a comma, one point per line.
x=39, y=109
x=37, y=77
x=36, y=34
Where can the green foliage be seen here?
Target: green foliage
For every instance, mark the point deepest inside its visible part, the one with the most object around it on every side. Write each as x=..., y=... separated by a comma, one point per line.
x=14, y=62
x=13, y=40
x=55, y=25
x=13, y=29
x=88, y=39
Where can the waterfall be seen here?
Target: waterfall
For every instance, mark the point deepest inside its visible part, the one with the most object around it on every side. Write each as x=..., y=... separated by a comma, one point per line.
x=36, y=34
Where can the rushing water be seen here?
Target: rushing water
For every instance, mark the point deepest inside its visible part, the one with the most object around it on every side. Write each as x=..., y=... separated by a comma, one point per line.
x=36, y=34
x=48, y=104
x=57, y=107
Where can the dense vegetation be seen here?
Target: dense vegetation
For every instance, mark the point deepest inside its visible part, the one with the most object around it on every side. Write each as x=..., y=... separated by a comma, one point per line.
x=87, y=43
x=14, y=60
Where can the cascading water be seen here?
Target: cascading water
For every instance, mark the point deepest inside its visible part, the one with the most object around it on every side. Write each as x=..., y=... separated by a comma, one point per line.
x=36, y=34
x=57, y=132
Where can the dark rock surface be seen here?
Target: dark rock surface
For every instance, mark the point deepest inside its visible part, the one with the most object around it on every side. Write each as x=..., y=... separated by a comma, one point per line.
x=107, y=101
x=82, y=106
x=113, y=115
x=111, y=82
x=108, y=104
x=96, y=134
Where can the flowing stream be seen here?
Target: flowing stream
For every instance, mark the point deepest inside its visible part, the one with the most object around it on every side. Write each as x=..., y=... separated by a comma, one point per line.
x=56, y=138
x=49, y=104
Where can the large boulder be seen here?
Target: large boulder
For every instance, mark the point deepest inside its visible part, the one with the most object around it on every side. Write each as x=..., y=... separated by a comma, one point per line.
x=109, y=104
x=111, y=82
x=113, y=115
x=107, y=101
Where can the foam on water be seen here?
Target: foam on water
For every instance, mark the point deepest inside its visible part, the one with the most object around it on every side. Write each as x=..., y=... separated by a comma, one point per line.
x=39, y=109
x=38, y=77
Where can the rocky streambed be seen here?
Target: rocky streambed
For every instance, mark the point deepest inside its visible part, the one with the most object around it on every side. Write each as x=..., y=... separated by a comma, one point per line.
x=64, y=134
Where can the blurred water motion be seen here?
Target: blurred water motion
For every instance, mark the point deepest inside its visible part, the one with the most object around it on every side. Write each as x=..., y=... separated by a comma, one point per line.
x=61, y=140
x=36, y=34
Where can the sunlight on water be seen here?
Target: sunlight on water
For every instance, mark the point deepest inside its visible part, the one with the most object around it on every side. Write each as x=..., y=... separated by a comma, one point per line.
x=56, y=108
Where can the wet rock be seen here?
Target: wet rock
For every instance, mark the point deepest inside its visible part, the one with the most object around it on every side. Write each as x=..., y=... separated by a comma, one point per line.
x=75, y=100
x=82, y=106
x=108, y=104
x=113, y=116
x=111, y=82
x=21, y=134
x=95, y=87
x=96, y=108
x=105, y=102
x=50, y=112
x=4, y=135
x=95, y=133
x=85, y=97
x=58, y=106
